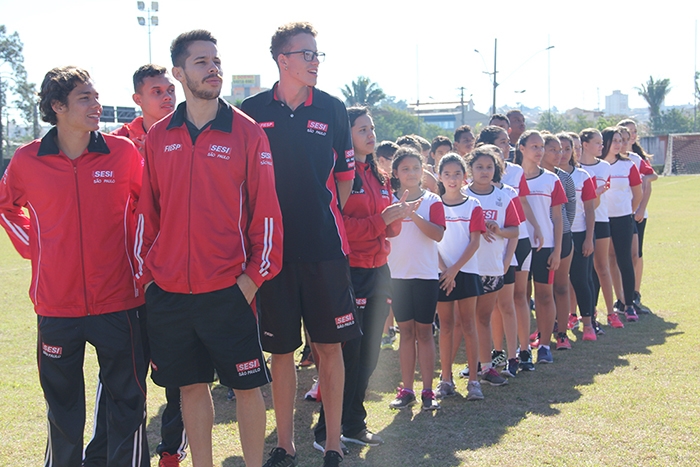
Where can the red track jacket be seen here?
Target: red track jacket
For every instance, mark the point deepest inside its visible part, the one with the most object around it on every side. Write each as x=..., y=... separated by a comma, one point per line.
x=362, y=214
x=79, y=232
x=208, y=211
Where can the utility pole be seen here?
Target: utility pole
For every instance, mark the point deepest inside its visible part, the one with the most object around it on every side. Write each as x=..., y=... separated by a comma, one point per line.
x=461, y=102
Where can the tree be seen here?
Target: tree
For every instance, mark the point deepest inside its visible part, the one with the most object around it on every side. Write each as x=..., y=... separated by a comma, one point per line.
x=363, y=92
x=654, y=92
x=11, y=58
x=673, y=121
x=390, y=123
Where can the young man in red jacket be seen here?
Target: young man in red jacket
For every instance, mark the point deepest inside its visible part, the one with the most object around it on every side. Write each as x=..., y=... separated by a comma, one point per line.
x=80, y=188
x=209, y=233
x=154, y=92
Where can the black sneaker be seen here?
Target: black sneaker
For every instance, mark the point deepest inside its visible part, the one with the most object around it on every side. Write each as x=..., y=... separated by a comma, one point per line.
x=511, y=368
x=332, y=459
x=526, y=361
x=597, y=327
x=638, y=307
x=619, y=307
x=428, y=400
x=280, y=458
x=498, y=358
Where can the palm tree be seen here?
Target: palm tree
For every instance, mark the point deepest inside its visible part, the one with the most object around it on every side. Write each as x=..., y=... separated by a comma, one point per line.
x=363, y=92
x=654, y=92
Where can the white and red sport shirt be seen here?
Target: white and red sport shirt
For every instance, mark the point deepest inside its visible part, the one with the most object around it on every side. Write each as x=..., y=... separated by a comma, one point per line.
x=546, y=192
x=585, y=191
x=413, y=255
x=461, y=220
x=623, y=176
x=498, y=206
x=601, y=171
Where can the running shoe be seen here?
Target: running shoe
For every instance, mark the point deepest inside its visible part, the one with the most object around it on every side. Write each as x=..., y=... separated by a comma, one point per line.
x=563, y=342
x=307, y=358
x=589, y=334
x=614, y=321
x=332, y=459
x=169, y=460
x=544, y=356
x=230, y=396
x=465, y=372
x=638, y=306
x=444, y=389
x=597, y=327
x=405, y=398
x=534, y=336
x=573, y=321
x=313, y=394
x=474, y=391
x=631, y=315
x=511, y=368
x=321, y=446
x=619, y=307
x=492, y=377
x=364, y=438
x=427, y=397
x=387, y=342
x=498, y=358
x=280, y=458
x=526, y=364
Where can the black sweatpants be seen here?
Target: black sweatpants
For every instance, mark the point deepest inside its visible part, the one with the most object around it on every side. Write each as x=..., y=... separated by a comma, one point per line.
x=581, y=276
x=360, y=355
x=621, y=231
x=61, y=352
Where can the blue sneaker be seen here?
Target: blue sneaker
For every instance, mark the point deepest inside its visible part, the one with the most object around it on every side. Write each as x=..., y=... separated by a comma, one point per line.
x=525, y=357
x=544, y=355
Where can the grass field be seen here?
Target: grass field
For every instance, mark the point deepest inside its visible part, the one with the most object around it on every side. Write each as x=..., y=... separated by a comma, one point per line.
x=632, y=398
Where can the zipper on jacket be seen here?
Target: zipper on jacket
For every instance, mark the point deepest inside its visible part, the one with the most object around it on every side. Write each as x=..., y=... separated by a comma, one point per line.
x=80, y=237
x=189, y=211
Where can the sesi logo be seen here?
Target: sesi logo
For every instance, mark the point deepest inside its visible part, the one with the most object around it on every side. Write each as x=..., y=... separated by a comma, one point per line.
x=52, y=351
x=265, y=158
x=344, y=321
x=490, y=215
x=248, y=368
x=103, y=176
x=317, y=126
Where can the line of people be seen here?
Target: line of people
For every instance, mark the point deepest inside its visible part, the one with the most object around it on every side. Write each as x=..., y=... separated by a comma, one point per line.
x=213, y=234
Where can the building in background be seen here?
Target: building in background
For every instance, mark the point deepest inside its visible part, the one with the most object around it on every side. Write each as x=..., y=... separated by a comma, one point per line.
x=617, y=104
x=243, y=86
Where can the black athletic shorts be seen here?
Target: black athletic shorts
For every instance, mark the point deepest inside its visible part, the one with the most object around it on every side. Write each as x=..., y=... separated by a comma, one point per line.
x=414, y=299
x=567, y=244
x=466, y=286
x=492, y=283
x=523, y=254
x=509, y=276
x=641, y=226
x=319, y=293
x=191, y=335
x=602, y=230
x=539, y=270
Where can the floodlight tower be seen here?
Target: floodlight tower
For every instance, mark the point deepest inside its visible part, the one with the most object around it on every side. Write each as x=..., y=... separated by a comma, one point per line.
x=148, y=21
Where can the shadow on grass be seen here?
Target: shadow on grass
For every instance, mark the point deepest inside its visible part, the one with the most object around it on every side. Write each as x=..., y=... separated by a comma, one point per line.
x=440, y=439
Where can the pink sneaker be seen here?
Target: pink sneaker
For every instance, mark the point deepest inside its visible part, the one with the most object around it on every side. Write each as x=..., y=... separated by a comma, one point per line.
x=573, y=321
x=614, y=321
x=563, y=343
x=589, y=334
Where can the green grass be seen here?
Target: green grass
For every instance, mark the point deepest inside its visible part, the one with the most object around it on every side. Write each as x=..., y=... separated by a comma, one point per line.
x=631, y=398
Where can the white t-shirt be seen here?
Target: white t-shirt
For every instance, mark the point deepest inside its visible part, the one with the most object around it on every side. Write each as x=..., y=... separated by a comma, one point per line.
x=644, y=169
x=413, y=255
x=546, y=192
x=601, y=171
x=623, y=176
x=585, y=191
x=515, y=178
x=498, y=206
x=461, y=220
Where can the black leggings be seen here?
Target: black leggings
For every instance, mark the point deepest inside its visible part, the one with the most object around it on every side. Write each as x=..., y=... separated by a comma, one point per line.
x=581, y=276
x=621, y=231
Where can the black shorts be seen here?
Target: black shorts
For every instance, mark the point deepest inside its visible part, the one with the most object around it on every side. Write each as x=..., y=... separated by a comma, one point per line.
x=466, y=286
x=191, y=335
x=509, y=276
x=492, y=283
x=319, y=293
x=523, y=254
x=602, y=230
x=414, y=299
x=539, y=270
x=641, y=226
x=567, y=244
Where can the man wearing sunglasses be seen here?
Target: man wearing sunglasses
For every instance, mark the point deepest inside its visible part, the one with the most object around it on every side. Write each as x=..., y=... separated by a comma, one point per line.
x=314, y=165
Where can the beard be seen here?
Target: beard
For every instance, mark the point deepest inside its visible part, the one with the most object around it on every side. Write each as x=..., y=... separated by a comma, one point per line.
x=200, y=93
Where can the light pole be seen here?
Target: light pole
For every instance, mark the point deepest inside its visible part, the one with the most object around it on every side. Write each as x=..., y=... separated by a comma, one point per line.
x=148, y=21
